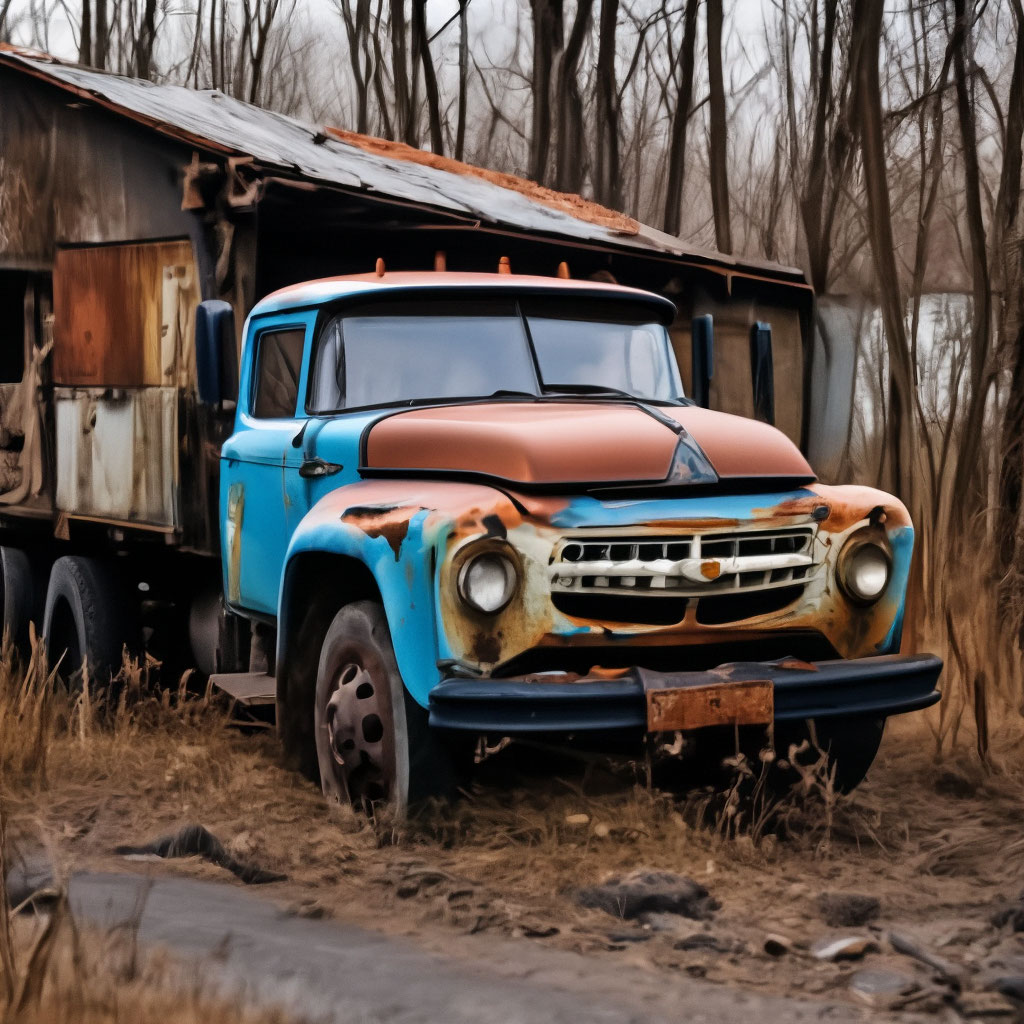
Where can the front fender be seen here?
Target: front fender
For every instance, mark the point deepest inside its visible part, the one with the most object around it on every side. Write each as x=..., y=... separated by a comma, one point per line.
x=397, y=530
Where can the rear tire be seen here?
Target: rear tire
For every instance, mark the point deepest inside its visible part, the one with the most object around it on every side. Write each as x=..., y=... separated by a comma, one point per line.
x=19, y=594
x=374, y=745
x=90, y=615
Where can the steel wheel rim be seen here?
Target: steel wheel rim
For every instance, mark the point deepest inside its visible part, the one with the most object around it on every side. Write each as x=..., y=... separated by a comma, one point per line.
x=356, y=722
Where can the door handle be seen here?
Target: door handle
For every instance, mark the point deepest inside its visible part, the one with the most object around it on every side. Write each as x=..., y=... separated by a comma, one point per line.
x=312, y=468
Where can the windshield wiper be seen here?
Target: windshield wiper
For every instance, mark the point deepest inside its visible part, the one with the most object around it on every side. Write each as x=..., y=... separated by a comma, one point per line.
x=513, y=393
x=600, y=389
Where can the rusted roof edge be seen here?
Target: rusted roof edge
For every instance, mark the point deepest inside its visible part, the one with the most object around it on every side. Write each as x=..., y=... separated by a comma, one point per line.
x=647, y=241
x=787, y=277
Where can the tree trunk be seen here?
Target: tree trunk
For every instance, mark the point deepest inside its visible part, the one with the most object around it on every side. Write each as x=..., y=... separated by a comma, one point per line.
x=460, y=129
x=569, y=165
x=405, y=115
x=1008, y=249
x=680, y=116
x=101, y=40
x=547, y=42
x=967, y=485
x=718, y=156
x=422, y=46
x=812, y=201
x=85, y=34
x=607, y=166
x=146, y=41
x=866, y=41
x=356, y=28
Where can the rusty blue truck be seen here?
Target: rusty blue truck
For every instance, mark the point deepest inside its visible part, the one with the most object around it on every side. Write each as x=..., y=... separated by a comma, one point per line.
x=411, y=508
x=480, y=505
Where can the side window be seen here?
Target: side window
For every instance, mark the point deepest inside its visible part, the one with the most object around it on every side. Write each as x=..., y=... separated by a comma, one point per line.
x=278, y=364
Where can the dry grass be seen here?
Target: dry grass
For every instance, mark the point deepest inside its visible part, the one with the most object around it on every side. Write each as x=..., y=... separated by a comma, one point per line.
x=56, y=972
x=44, y=725
x=934, y=841
x=49, y=970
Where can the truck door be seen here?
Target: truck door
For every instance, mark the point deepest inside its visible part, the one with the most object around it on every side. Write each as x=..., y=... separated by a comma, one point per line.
x=262, y=495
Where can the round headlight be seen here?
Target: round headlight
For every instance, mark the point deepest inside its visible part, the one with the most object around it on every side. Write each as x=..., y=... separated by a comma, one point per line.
x=864, y=568
x=488, y=581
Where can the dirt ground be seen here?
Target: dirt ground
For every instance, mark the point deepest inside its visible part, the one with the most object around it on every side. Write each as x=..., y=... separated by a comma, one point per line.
x=939, y=844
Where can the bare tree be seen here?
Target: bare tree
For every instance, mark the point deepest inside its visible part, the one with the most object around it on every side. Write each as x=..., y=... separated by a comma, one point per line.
x=421, y=45
x=718, y=132
x=460, y=130
x=679, y=117
x=867, y=108
x=361, y=54
x=569, y=165
x=548, y=42
x=607, y=166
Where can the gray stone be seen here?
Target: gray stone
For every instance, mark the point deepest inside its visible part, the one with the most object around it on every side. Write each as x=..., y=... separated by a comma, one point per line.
x=30, y=882
x=848, y=909
x=1012, y=987
x=881, y=988
x=650, y=892
x=704, y=942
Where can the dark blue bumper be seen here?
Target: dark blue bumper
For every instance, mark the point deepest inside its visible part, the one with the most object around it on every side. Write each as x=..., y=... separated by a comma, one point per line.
x=876, y=687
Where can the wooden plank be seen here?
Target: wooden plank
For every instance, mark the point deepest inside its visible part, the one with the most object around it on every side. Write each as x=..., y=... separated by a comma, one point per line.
x=249, y=688
x=746, y=702
x=111, y=327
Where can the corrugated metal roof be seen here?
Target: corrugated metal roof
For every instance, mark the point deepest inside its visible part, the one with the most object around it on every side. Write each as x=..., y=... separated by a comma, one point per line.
x=216, y=122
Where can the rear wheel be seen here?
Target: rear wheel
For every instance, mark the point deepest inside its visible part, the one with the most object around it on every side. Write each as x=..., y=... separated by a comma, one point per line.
x=374, y=746
x=20, y=594
x=90, y=616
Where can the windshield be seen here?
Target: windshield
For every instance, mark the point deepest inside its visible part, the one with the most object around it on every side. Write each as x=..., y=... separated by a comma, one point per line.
x=444, y=349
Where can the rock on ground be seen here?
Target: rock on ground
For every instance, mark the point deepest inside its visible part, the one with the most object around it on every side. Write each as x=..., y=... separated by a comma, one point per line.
x=650, y=892
x=848, y=909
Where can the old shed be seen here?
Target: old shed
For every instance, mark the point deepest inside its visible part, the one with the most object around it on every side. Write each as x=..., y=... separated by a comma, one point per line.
x=141, y=199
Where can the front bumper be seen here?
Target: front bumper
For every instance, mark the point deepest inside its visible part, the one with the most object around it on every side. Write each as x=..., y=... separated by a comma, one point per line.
x=873, y=687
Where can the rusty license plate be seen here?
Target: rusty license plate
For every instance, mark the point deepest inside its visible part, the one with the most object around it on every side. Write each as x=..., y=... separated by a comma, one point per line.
x=748, y=702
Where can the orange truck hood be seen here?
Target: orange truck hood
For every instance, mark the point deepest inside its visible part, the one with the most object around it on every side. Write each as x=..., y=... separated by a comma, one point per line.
x=546, y=443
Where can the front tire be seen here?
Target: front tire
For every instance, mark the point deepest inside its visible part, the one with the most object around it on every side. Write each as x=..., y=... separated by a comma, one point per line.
x=374, y=746
x=850, y=744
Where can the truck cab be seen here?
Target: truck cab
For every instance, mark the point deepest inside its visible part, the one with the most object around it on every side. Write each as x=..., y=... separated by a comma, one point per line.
x=476, y=505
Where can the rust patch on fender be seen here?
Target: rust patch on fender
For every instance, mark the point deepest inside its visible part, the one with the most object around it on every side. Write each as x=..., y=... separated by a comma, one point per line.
x=391, y=523
x=848, y=504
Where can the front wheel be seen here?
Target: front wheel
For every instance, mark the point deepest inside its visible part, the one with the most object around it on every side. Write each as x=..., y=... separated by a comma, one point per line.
x=374, y=746
x=850, y=744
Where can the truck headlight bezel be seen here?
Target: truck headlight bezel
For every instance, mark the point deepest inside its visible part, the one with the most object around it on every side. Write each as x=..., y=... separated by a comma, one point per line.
x=864, y=569
x=488, y=578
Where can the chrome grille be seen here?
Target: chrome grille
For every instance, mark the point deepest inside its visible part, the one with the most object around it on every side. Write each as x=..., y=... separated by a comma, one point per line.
x=685, y=565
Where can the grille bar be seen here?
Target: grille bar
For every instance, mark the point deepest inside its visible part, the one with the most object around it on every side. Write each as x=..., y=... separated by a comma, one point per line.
x=697, y=565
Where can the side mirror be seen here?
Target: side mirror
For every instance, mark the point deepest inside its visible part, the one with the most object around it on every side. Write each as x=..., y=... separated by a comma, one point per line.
x=762, y=371
x=216, y=354
x=702, y=356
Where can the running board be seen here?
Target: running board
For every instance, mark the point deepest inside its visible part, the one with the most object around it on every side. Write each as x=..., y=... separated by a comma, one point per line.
x=249, y=688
